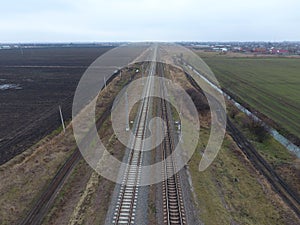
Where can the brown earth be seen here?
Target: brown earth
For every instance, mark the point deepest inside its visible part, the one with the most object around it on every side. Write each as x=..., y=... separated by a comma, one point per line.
x=47, y=78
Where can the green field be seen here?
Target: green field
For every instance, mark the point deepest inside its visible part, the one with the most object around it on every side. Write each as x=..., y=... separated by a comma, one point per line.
x=269, y=85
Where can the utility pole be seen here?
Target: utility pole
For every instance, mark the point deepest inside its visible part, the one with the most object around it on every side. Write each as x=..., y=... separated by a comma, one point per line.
x=62, y=119
x=21, y=49
x=127, y=111
x=142, y=74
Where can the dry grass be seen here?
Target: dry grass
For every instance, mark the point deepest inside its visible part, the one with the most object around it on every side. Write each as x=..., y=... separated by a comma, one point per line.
x=86, y=200
x=230, y=191
x=24, y=178
x=285, y=163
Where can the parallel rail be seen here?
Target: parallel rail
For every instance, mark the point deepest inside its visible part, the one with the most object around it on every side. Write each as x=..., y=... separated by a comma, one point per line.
x=173, y=206
x=127, y=199
x=174, y=212
x=124, y=212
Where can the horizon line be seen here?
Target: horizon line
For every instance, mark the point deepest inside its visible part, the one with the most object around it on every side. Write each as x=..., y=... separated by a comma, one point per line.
x=148, y=41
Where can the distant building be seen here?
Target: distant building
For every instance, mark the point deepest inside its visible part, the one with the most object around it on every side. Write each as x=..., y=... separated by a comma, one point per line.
x=279, y=51
x=5, y=47
x=260, y=50
x=224, y=50
x=237, y=49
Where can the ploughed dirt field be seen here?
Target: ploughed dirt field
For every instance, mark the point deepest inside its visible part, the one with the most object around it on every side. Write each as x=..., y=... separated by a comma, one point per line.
x=33, y=83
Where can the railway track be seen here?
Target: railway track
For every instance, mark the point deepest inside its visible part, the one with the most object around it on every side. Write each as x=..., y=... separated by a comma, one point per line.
x=173, y=206
x=37, y=213
x=127, y=198
x=265, y=169
x=45, y=201
x=124, y=212
x=277, y=183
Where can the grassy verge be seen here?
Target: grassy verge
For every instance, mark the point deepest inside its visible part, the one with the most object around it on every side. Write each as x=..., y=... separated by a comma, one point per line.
x=85, y=197
x=19, y=185
x=70, y=193
x=231, y=192
x=283, y=162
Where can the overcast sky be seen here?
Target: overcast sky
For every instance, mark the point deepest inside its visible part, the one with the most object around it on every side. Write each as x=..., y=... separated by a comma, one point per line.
x=149, y=20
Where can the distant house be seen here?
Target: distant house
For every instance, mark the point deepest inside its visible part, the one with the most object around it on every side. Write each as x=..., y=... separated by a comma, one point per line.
x=279, y=51
x=283, y=52
x=260, y=50
x=237, y=49
x=5, y=47
x=223, y=50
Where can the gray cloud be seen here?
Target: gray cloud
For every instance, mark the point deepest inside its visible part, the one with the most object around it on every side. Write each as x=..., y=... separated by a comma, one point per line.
x=138, y=20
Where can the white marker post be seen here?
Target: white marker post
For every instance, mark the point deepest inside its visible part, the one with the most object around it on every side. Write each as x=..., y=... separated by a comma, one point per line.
x=104, y=82
x=62, y=119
